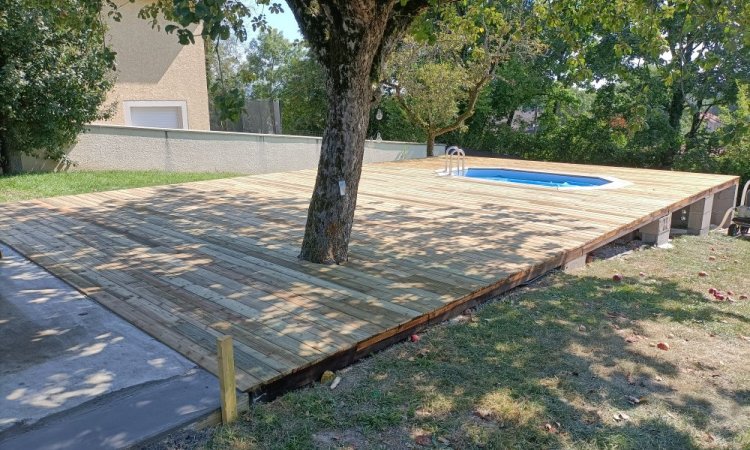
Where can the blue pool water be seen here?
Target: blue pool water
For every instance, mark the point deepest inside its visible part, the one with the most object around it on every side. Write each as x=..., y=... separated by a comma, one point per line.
x=555, y=180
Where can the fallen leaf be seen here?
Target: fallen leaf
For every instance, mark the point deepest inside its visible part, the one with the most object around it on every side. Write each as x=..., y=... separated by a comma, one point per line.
x=327, y=377
x=636, y=400
x=483, y=414
x=423, y=439
x=702, y=274
x=662, y=346
x=620, y=416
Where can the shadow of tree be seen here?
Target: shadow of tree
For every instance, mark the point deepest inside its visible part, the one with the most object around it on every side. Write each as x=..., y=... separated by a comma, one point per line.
x=210, y=258
x=188, y=263
x=522, y=373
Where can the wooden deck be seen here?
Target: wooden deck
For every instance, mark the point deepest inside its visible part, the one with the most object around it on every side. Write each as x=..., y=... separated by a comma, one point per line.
x=187, y=263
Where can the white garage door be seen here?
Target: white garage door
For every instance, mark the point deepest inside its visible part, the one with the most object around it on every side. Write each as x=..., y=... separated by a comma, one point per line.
x=156, y=116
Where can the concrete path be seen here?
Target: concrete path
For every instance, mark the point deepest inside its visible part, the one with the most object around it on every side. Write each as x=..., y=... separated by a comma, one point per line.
x=74, y=375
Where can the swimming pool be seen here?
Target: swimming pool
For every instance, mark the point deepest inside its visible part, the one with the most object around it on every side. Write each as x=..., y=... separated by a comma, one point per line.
x=545, y=179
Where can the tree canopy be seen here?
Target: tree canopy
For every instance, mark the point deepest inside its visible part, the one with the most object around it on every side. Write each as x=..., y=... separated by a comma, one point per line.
x=55, y=71
x=438, y=72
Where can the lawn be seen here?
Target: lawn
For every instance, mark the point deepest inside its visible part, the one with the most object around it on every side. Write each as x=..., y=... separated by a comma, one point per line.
x=28, y=186
x=569, y=362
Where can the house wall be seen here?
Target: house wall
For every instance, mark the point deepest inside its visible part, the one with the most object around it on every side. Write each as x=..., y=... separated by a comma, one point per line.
x=152, y=65
x=132, y=148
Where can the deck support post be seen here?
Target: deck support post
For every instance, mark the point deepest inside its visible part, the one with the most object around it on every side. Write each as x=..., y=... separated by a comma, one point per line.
x=723, y=201
x=575, y=264
x=699, y=216
x=657, y=232
x=227, y=382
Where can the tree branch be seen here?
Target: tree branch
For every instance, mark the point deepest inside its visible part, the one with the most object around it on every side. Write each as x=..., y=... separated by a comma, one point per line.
x=473, y=98
x=409, y=112
x=313, y=25
x=401, y=17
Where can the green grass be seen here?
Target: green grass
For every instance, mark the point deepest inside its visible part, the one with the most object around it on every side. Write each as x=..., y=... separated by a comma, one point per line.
x=29, y=186
x=549, y=366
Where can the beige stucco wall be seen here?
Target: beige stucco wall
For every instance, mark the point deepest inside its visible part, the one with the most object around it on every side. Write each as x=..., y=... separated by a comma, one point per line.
x=132, y=148
x=152, y=65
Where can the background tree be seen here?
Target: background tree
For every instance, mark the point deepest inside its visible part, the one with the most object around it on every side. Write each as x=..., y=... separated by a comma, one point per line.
x=286, y=71
x=55, y=71
x=268, y=58
x=437, y=74
x=303, y=96
x=696, y=49
x=227, y=79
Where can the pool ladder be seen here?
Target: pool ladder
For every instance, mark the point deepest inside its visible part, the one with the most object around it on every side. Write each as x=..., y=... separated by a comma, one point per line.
x=450, y=152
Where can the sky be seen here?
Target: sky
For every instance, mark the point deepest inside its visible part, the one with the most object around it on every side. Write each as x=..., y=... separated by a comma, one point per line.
x=284, y=22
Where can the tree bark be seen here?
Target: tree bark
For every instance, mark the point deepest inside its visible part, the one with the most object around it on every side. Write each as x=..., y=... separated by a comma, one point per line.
x=351, y=40
x=331, y=213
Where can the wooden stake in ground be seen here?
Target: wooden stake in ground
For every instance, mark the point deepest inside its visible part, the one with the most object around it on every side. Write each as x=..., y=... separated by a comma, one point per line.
x=227, y=385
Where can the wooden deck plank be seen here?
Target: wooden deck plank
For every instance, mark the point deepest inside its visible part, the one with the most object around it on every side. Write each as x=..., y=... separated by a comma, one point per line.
x=191, y=262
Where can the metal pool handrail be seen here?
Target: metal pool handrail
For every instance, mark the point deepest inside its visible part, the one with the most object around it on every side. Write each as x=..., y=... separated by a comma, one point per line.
x=450, y=152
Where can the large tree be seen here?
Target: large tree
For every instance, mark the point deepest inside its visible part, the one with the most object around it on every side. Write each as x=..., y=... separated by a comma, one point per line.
x=351, y=39
x=55, y=71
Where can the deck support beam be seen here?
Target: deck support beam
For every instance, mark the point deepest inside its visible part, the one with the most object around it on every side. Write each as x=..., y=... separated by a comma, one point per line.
x=699, y=216
x=723, y=201
x=657, y=232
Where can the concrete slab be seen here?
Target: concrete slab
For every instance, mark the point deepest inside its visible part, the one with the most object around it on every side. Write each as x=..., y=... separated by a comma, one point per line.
x=61, y=350
x=124, y=418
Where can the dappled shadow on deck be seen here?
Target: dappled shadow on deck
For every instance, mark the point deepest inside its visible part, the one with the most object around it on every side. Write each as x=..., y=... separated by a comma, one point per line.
x=187, y=263
x=204, y=259
x=548, y=367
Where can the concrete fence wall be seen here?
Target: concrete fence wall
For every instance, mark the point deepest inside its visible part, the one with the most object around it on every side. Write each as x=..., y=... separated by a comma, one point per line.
x=106, y=147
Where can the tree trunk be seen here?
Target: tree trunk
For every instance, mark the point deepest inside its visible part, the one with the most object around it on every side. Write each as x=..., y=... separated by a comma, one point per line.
x=5, y=156
x=331, y=213
x=676, y=108
x=696, y=120
x=349, y=61
x=511, y=116
x=351, y=40
x=430, y=145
